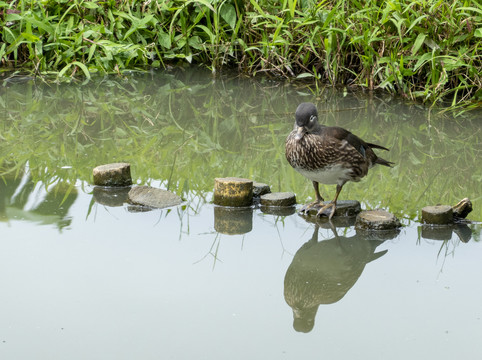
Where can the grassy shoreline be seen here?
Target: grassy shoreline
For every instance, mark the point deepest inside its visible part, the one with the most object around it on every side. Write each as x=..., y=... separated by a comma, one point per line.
x=430, y=51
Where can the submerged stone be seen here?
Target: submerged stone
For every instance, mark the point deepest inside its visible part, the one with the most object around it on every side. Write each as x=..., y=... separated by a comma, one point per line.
x=437, y=215
x=378, y=235
x=233, y=221
x=463, y=232
x=116, y=174
x=278, y=210
x=376, y=220
x=445, y=232
x=260, y=189
x=152, y=197
x=138, y=208
x=439, y=232
x=278, y=199
x=111, y=195
x=232, y=191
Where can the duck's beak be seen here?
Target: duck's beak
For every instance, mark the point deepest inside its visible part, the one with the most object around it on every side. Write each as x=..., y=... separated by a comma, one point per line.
x=300, y=132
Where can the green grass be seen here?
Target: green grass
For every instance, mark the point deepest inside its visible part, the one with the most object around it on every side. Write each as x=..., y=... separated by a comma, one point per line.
x=426, y=50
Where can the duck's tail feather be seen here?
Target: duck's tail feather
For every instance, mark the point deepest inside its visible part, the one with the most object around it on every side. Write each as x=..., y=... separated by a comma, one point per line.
x=375, y=146
x=384, y=162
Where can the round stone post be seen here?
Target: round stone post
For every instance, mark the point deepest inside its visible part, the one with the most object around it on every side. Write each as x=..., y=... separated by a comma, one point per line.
x=232, y=191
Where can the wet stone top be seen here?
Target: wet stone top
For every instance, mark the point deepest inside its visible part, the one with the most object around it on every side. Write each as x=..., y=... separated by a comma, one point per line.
x=152, y=197
x=231, y=179
x=376, y=220
x=260, y=189
x=278, y=199
x=343, y=208
x=437, y=215
x=115, y=174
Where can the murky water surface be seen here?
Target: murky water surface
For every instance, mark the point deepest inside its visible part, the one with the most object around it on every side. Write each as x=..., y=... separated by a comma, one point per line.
x=85, y=276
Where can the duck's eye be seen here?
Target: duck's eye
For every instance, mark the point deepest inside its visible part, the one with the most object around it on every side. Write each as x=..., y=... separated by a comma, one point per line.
x=312, y=118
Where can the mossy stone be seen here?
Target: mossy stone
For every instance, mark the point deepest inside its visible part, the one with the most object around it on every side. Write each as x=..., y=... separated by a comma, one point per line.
x=376, y=220
x=278, y=199
x=116, y=174
x=232, y=191
x=440, y=232
x=437, y=215
x=153, y=197
x=343, y=208
x=260, y=189
x=111, y=195
x=233, y=221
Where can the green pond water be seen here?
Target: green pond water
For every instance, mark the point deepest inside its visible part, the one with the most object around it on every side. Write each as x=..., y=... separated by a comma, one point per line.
x=83, y=275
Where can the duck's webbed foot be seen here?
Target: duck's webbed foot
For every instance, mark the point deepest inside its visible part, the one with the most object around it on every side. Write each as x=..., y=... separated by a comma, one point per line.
x=325, y=210
x=318, y=202
x=304, y=210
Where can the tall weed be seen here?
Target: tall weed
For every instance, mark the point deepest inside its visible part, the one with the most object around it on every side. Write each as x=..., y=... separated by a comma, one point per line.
x=427, y=50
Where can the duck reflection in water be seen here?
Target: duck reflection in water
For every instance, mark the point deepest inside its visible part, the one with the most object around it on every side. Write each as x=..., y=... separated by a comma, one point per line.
x=322, y=272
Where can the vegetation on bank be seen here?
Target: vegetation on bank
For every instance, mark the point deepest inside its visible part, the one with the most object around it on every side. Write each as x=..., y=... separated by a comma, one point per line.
x=428, y=50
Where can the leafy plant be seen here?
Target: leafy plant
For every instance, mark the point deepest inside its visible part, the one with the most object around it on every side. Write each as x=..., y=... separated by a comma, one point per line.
x=424, y=50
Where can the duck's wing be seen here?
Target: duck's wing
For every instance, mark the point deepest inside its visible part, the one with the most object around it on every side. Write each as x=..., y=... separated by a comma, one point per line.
x=344, y=135
x=364, y=148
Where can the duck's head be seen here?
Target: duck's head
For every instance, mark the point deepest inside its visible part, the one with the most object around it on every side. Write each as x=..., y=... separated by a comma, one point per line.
x=306, y=120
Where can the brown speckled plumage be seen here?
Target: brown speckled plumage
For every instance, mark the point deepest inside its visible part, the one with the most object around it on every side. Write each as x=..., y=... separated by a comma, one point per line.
x=328, y=155
x=315, y=152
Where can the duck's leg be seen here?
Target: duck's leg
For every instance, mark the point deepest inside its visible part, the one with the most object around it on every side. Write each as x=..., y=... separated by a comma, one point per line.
x=317, y=202
x=331, y=204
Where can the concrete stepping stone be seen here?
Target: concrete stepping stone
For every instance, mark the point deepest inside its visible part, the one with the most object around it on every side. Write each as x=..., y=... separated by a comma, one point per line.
x=260, y=189
x=343, y=208
x=278, y=199
x=376, y=220
x=153, y=197
x=232, y=191
x=437, y=215
x=116, y=174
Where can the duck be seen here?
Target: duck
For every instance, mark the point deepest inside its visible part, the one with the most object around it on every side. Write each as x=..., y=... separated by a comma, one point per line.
x=328, y=155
